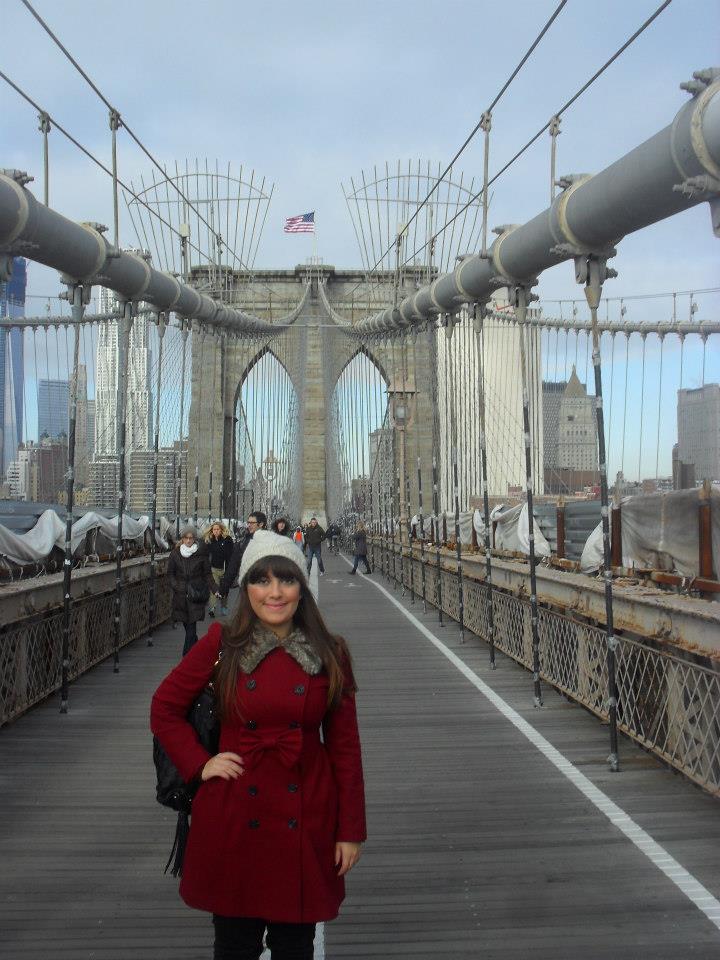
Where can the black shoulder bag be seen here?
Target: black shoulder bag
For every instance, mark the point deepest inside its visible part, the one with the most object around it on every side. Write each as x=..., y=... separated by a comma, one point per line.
x=172, y=791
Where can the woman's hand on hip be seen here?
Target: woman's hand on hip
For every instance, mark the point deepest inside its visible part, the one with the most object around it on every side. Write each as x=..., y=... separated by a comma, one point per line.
x=347, y=855
x=229, y=766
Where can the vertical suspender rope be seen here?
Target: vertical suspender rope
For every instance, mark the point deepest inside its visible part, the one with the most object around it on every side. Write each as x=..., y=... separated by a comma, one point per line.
x=124, y=328
x=161, y=318
x=222, y=512
x=213, y=418
x=479, y=313
x=521, y=304
x=198, y=420
x=596, y=273
x=433, y=363
x=451, y=321
x=76, y=296
x=405, y=468
x=421, y=521
x=184, y=330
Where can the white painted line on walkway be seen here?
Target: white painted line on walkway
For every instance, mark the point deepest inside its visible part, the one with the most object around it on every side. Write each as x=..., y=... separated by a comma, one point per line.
x=699, y=895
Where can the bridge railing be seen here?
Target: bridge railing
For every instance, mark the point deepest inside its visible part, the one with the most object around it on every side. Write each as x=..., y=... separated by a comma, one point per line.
x=669, y=702
x=31, y=645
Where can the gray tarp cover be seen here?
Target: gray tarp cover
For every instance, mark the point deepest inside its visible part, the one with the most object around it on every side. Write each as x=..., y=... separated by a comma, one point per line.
x=49, y=531
x=659, y=531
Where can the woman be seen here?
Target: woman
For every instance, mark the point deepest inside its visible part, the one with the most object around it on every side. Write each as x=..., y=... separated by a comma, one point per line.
x=192, y=583
x=360, y=539
x=280, y=526
x=220, y=547
x=280, y=814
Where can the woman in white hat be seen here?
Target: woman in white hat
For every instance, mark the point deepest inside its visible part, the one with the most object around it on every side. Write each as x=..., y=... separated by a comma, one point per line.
x=280, y=815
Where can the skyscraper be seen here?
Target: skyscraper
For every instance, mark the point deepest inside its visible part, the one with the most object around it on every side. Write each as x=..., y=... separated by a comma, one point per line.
x=53, y=408
x=139, y=406
x=12, y=366
x=698, y=414
x=577, y=448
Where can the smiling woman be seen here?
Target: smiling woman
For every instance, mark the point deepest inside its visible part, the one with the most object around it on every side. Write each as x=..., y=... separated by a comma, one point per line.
x=276, y=793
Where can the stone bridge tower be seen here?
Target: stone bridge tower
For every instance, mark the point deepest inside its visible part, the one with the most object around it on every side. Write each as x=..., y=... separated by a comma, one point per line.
x=319, y=350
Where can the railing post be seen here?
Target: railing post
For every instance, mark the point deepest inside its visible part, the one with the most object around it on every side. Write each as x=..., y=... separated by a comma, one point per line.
x=561, y=530
x=432, y=356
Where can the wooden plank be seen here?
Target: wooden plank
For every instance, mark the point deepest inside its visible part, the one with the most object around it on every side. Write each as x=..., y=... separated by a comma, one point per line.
x=478, y=848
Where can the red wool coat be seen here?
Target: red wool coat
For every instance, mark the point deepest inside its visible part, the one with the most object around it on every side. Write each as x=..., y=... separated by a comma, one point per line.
x=263, y=845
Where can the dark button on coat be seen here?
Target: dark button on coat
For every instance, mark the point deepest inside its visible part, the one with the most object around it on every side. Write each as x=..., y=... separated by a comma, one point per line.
x=268, y=852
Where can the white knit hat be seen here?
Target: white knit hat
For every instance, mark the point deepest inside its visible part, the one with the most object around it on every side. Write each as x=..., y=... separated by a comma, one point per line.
x=264, y=543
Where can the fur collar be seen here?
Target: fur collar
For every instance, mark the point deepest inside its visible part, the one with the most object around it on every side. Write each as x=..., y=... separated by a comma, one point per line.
x=296, y=645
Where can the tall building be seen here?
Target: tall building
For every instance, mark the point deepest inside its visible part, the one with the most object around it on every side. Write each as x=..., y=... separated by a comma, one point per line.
x=38, y=473
x=12, y=364
x=139, y=425
x=53, y=408
x=552, y=394
x=141, y=477
x=139, y=403
x=698, y=413
x=577, y=444
x=82, y=446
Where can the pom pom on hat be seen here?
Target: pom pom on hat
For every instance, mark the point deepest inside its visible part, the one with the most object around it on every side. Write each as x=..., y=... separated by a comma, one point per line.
x=264, y=543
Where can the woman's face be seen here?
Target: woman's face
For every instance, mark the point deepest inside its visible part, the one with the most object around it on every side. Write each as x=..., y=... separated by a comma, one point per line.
x=281, y=526
x=188, y=539
x=216, y=530
x=274, y=602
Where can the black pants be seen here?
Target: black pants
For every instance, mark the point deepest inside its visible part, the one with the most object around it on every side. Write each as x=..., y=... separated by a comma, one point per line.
x=241, y=938
x=358, y=557
x=190, y=636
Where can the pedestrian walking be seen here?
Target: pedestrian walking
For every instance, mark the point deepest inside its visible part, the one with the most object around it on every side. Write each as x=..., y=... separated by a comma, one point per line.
x=191, y=581
x=333, y=538
x=299, y=537
x=360, y=548
x=220, y=547
x=255, y=521
x=281, y=527
x=279, y=816
x=314, y=536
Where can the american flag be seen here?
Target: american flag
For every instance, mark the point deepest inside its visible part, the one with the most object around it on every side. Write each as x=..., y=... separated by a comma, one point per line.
x=305, y=223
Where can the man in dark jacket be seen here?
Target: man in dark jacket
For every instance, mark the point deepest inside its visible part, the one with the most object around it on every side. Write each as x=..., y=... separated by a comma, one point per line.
x=314, y=536
x=256, y=521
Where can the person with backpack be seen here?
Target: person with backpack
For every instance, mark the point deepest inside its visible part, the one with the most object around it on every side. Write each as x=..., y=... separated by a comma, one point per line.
x=192, y=583
x=279, y=816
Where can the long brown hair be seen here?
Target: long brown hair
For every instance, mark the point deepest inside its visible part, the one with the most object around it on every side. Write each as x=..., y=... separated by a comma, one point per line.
x=238, y=636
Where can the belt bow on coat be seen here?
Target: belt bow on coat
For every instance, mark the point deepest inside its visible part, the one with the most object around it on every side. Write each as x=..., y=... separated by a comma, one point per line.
x=286, y=745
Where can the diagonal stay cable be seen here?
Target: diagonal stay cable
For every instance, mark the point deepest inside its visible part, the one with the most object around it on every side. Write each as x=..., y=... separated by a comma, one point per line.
x=91, y=156
x=588, y=83
x=131, y=134
x=526, y=56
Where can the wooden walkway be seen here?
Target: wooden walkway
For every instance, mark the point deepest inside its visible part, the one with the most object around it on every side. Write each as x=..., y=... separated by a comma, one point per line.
x=479, y=846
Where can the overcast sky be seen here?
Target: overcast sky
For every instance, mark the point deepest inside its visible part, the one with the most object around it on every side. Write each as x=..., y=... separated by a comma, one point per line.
x=312, y=93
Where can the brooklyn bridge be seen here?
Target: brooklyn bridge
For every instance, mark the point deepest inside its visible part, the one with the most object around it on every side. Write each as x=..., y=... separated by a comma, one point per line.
x=536, y=649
